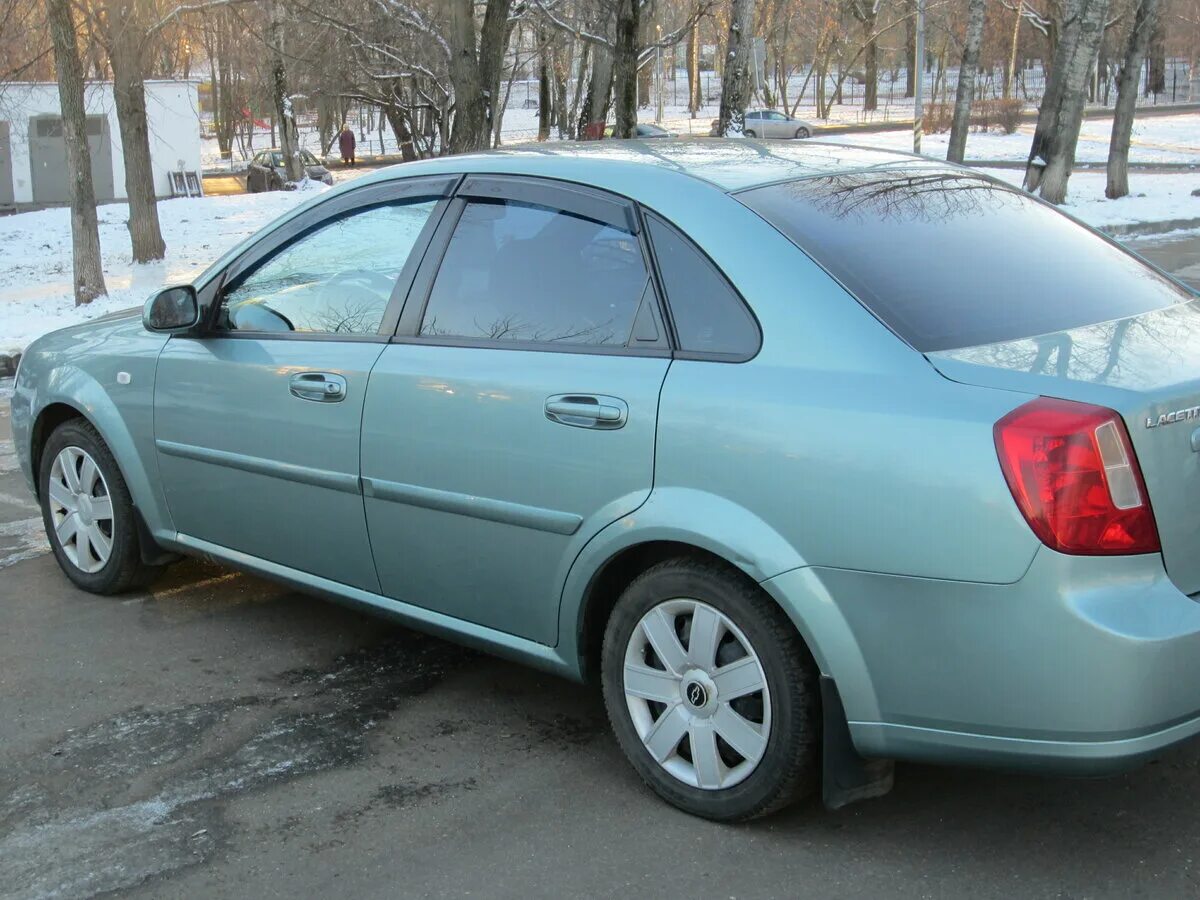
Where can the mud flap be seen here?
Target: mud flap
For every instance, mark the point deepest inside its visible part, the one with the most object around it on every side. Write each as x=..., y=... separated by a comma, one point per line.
x=845, y=776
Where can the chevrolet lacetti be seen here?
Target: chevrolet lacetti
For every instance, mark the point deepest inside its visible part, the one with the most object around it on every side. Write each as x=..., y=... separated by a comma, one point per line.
x=815, y=457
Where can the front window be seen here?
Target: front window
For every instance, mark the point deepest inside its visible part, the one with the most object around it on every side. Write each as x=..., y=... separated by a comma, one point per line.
x=337, y=279
x=950, y=260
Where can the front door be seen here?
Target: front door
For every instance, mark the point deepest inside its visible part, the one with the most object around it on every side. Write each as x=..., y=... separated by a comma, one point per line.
x=257, y=422
x=515, y=416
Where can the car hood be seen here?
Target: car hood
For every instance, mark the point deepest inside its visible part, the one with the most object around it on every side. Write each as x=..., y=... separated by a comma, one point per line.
x=317, y=171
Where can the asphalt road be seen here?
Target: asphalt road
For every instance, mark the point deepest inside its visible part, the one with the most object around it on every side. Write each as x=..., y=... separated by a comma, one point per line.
x=223, y=736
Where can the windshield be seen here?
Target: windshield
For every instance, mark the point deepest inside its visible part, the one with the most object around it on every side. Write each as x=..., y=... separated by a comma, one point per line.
x=950, y=260
x=305, y=157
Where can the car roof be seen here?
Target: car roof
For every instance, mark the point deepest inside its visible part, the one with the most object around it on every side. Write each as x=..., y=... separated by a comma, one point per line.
x=618, y=165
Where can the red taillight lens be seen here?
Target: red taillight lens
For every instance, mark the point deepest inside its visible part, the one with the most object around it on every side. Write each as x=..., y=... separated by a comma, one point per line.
x=1070, y=467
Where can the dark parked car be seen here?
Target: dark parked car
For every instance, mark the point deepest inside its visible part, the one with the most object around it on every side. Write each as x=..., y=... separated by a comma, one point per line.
x=268, y=173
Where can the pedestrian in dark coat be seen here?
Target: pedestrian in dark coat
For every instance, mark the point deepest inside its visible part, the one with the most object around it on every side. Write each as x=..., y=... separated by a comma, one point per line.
x=346, y=144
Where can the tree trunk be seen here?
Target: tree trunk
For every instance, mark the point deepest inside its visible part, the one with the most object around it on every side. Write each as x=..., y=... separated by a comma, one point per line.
x=1156, y=77
x=625, y=68
x=735, y=80
x=595, y=104
x=581, y=78
x=966, y=82
x=545, y=109
x=693, y=70
x=1144, y=25
x=1010, y=74
x=127, y=41
x=1052, y=154
x=285, y=116
x=910, y=47
x=85, y=232
x=475, y=76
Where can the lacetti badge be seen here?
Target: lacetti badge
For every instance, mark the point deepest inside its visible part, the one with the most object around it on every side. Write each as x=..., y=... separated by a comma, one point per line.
x=1180, y=415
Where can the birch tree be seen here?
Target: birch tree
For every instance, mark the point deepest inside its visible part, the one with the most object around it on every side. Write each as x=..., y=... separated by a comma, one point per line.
x=965, y=94
x=1052, y=154
x=85, y=232
x=285, y=115
x=735, y=80
x=1144, y=26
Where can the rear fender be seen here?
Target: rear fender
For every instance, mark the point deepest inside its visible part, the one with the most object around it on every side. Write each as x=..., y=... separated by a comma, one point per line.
x=733, y=533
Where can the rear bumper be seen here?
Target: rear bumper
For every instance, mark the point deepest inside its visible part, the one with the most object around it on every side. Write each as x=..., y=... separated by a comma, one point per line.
x=1086, y=665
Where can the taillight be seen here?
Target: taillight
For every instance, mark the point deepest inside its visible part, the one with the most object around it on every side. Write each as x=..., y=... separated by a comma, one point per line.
x=1072, y=470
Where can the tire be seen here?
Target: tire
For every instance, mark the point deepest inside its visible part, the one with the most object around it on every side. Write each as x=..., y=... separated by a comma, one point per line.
x=802, y=133
x=73, y=445
x=785, y=767
x=749, y=133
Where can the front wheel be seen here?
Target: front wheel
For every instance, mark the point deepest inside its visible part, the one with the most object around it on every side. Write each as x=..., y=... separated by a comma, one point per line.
x=88, y=513
x=711, y=692
x=802, y=133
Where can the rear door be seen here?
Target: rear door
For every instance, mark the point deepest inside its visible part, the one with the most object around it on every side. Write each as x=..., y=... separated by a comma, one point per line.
x=257, y=421
x=514, y=415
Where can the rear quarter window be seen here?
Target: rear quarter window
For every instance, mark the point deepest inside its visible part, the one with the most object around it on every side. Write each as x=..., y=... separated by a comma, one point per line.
x=950, y=260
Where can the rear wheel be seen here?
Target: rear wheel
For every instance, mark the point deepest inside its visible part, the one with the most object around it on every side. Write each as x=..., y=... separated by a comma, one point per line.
x=711, y=692
x=88, y=514
x=749, y=133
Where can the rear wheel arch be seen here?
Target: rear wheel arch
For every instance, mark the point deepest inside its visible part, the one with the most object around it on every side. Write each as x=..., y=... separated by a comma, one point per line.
x=617, y=572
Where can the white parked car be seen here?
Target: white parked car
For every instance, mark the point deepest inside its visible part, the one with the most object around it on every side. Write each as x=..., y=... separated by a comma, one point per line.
x=770, y=123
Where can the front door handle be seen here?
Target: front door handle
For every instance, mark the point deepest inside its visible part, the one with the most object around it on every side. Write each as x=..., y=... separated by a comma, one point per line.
x=587, y=411
x=323, y=387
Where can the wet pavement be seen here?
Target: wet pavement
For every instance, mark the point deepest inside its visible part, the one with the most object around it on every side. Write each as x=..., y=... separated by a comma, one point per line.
x=224, y=736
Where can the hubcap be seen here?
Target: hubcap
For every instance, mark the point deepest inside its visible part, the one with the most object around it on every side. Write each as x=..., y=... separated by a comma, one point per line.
x=697, y=694
x=81, y=509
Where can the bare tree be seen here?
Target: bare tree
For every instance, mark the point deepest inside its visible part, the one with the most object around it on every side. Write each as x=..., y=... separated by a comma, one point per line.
x=85, y=232
x=1145, y=24
x=475, y=74
x=735, y=80
x=123, y=28
x=966, y=82
x=625, y=67
x=1052, y=154
x=285, y=114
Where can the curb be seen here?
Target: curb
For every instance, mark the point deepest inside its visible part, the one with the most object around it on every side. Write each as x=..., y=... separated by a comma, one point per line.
x=1142, y=229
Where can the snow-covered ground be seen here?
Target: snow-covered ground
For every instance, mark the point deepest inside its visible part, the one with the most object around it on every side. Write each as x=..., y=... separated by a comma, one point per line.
x=1158, y=139
x=35, y=247
x=1152, y=198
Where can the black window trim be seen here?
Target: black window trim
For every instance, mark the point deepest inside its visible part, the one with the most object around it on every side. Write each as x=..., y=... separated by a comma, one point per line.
x=571, y=197
x=665, y=299
x=352, y=202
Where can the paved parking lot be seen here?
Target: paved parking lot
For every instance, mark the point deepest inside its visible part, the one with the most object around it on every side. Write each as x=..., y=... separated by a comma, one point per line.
x=224, y=736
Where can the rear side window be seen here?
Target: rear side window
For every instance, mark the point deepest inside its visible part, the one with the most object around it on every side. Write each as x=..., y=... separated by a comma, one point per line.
x=949, y=260
x=709, y=316
x=523, y=272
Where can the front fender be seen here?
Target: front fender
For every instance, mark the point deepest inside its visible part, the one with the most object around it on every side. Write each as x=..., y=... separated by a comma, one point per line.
x=80, y=369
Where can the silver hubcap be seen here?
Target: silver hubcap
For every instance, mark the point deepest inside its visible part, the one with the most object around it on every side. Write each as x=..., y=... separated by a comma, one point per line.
x=697, y=694
x=81, y=509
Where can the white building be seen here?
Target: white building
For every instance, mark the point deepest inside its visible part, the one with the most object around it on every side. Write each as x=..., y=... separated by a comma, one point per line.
x=33, y=155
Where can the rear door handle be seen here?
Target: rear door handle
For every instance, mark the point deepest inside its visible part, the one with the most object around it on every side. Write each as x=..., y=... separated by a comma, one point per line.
x=323, y=387
x=587, y=411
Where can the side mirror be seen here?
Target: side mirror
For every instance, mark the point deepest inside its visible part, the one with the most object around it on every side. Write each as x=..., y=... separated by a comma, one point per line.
x=172, y=310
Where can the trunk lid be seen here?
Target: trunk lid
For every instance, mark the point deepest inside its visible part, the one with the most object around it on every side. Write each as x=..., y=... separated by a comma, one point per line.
x=1147, y=368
